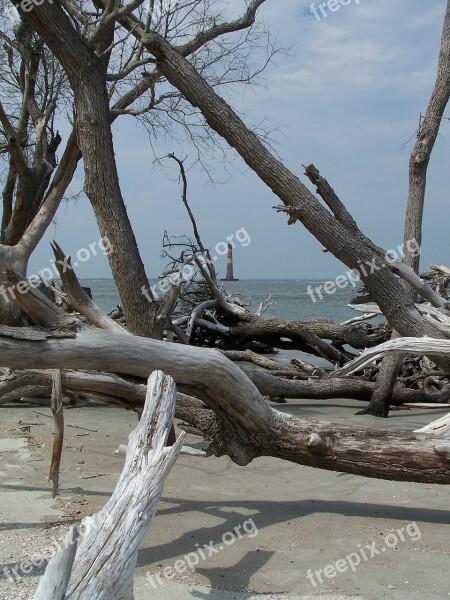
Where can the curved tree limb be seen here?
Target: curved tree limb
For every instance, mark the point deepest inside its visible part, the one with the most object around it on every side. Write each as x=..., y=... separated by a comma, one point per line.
x=425, y=345
x=243, y=425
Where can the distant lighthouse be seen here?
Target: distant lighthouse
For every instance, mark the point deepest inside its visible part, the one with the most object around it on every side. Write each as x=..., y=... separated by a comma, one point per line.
x=230, y=276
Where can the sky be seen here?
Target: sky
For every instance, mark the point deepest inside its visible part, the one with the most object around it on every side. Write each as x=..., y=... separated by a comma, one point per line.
x=347, y=98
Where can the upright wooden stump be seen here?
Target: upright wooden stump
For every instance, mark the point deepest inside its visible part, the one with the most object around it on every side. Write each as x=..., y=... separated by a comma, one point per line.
x=101, y=567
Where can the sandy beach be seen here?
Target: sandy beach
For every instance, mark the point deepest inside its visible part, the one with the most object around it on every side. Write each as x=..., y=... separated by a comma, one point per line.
x=296, y=525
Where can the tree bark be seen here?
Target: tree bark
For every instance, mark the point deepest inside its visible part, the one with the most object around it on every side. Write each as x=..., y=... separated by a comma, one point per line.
x=58, y=437
x=426, y=138
x=87, y=75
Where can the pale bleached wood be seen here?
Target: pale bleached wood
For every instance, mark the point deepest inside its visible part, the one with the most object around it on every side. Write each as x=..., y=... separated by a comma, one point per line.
x=107, y=551
x=423, y=345
x=78, y=297
x=440, y=427
x=237, y=421
x=53, y=584
x=433, y=315
x=185, y=451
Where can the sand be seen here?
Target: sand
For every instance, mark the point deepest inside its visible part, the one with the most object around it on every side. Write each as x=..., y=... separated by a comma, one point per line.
x=279, y=520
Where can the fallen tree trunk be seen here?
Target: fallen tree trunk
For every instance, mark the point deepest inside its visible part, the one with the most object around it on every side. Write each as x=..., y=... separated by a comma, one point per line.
x=237, y=421
x=109, y=387
x=307, y=336
x=328, y=388
x=242, y=424
x=102, y=565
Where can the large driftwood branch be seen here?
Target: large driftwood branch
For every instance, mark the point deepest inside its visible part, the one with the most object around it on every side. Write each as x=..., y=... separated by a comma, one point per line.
x=86, y=306
x=417, y=284
x=422, y=346
x=242, y=425
x=41, y=309
x=330, y=197
x=107, y=551
x=334, y=387
x=109, y=387
x=429, y=313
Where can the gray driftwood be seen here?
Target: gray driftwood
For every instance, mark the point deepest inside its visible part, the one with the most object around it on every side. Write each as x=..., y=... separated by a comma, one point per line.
x=102, y=565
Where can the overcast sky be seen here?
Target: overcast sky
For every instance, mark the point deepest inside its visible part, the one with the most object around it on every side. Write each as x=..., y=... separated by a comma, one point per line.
x=347, y=99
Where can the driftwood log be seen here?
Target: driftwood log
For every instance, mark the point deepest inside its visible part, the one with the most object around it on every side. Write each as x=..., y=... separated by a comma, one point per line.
x=236, y=420
x=424, y=345
x=99, y=556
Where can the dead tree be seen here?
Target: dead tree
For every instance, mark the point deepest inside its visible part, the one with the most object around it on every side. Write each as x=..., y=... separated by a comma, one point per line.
x=418, y=166
x=333, y=227
x=236, y=420
x=89, y=54
x=227, y=323
x=33, y=85
x=329, y=227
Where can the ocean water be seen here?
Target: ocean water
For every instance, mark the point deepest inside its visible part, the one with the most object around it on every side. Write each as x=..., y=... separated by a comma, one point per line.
x=290, y=296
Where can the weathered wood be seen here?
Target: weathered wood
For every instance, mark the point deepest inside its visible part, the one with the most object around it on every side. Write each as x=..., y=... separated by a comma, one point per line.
x=55, y=581
x=58, y=439
x=425, y=345
x=78, y=298
x=242, y=424
x=30, y=333
x=239, y=422
x=433, y=315
x=334, y=387
x=298, y=201
x=110, y=388
x=106, y=555
x=261, y=361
